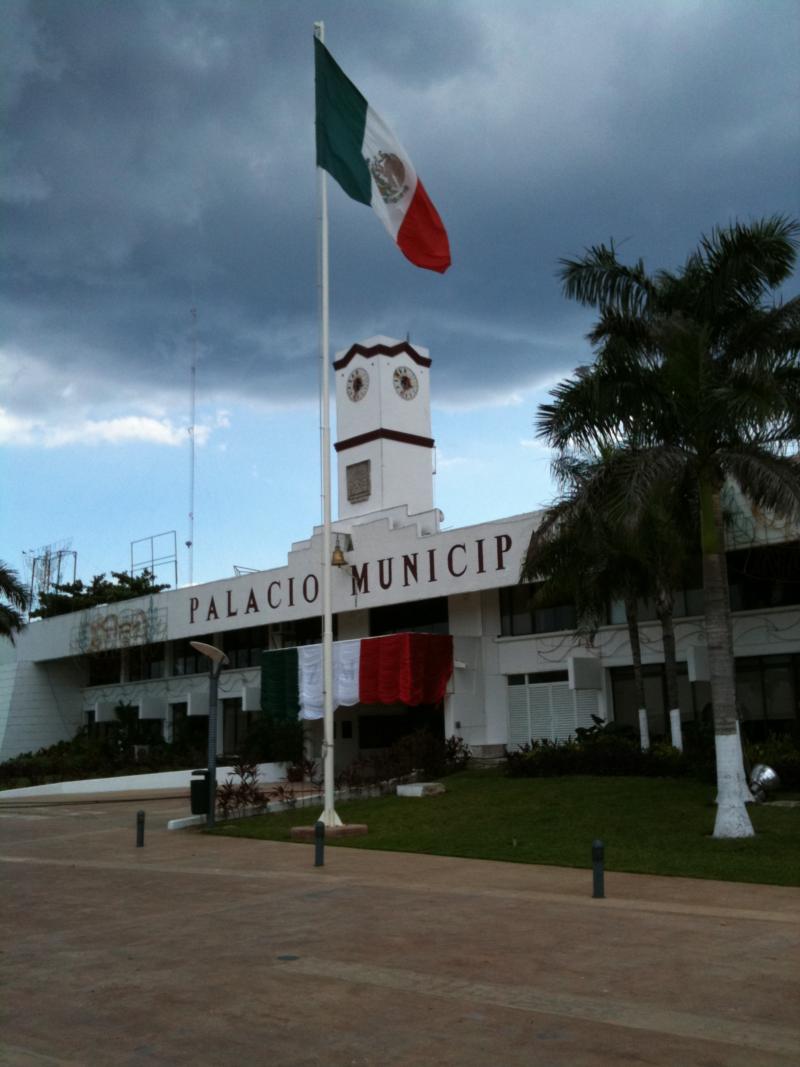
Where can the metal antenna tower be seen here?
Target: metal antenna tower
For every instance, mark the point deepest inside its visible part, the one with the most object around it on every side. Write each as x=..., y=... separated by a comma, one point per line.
x=192, y=416
x=49, y=566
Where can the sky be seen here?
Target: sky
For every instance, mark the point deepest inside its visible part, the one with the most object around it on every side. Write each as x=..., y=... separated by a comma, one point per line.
x=159, y=157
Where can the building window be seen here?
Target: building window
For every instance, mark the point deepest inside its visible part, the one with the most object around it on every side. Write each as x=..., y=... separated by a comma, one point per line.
x=418, y=616
x=521, y=613
x=692, y=697
x=244, y=647
x=105, y=668
x=359, y=487
x=145, y=661
x=764, y=577
x=186, y=661
x=768, y=694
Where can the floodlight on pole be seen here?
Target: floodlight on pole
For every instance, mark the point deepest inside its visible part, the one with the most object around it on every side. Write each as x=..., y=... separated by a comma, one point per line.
x=218, y=661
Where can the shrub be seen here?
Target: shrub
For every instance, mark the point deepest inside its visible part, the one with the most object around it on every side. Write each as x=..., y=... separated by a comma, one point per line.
x=428, y=754
x=236, y=796
x=664, y=761
x=305, y=770
x=598, y=751
x=542, y=759
x=91, y=756
x=418, y=753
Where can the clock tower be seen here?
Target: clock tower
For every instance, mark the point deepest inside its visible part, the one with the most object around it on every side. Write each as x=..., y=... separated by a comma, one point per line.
x=383, y=423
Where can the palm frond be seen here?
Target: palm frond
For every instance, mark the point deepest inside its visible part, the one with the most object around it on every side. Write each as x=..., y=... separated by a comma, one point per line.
x=11, y=588
x=601, y=280
x=627, y=331
x=740, y=263
x=11, y=621
x=760, y=401
x=642, y=476
x=770, y=482
x=773, y=331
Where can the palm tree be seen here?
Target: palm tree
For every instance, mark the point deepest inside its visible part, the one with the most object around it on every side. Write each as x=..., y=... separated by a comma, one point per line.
x=13, y=602
x=583, y=554
x=579, y=556
x=696, y=380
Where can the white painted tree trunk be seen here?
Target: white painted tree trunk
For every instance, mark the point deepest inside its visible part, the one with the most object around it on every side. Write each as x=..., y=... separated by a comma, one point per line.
x=732, y=818
x=741, y=775
x=675, y=728
x=644, y=729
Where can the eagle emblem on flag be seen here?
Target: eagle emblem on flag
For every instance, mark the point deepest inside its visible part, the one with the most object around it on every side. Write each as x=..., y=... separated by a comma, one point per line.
x=389, y=175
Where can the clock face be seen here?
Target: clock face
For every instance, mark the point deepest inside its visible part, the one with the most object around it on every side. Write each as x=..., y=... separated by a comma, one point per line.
x=405, y=383
x=357, y=383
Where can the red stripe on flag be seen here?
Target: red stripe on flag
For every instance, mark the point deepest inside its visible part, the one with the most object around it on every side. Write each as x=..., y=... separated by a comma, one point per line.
x=422, y=237
x=405, y=669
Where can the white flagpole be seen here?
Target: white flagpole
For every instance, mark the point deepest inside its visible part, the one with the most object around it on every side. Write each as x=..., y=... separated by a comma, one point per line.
x=328, y=816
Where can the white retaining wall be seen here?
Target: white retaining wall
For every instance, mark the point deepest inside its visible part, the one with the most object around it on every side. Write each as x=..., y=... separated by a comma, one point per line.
x=267, y=772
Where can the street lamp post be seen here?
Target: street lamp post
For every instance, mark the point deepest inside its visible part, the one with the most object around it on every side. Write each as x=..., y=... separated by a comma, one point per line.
x=218, y=661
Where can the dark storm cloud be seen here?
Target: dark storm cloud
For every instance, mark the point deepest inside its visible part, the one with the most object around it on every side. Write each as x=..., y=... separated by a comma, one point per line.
x=161, y=154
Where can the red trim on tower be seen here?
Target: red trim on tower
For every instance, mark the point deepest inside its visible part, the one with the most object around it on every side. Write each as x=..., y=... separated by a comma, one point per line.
x=401, y=349
x=388, y=435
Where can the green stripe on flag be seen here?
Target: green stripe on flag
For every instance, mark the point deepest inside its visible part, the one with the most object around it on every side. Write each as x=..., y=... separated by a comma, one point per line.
x=280, y=697
x=341, y=119
x=279, y=730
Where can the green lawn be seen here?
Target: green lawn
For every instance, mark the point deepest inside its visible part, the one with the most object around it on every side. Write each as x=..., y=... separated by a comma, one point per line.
x=649, y=825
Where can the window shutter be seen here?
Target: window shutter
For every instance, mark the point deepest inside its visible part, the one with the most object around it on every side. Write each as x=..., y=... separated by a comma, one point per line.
x=585, y=706
x=519, y=730
x=563, y=711
x=540, y=711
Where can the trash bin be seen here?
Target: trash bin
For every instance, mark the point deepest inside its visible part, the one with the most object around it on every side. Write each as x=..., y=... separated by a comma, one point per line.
x=198, y=787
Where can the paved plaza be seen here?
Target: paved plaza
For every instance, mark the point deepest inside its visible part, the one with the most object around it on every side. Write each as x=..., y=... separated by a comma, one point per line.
x=218, y=951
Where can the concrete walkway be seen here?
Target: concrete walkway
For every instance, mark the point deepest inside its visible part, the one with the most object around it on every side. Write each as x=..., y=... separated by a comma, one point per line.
x=198, y=950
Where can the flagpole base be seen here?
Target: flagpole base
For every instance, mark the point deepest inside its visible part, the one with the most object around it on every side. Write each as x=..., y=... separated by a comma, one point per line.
x=330, y=818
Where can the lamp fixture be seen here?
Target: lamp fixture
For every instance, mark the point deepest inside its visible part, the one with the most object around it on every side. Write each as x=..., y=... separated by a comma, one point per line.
x=216, y=655
x=218, y=660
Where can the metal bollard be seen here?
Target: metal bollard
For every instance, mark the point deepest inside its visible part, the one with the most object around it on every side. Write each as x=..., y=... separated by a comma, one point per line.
x=319, y=844
x=598, y=852
x=140, y=829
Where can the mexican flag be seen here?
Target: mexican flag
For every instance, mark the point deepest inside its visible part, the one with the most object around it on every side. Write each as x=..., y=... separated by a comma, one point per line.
x=360, y=151
x=407, y=668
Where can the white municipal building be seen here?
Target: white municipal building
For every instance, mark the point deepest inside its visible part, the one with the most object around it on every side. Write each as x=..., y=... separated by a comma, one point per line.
x=518, y=672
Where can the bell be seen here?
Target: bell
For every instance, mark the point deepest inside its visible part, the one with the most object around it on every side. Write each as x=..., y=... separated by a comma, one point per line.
x=337, y=557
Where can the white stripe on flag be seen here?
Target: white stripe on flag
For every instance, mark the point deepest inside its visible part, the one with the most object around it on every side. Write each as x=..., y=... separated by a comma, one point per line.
x=346, y=661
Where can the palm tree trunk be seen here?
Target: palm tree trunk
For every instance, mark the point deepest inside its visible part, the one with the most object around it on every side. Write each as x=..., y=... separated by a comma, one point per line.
x=632, y=618
x=732, y=818
x=664, y=610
